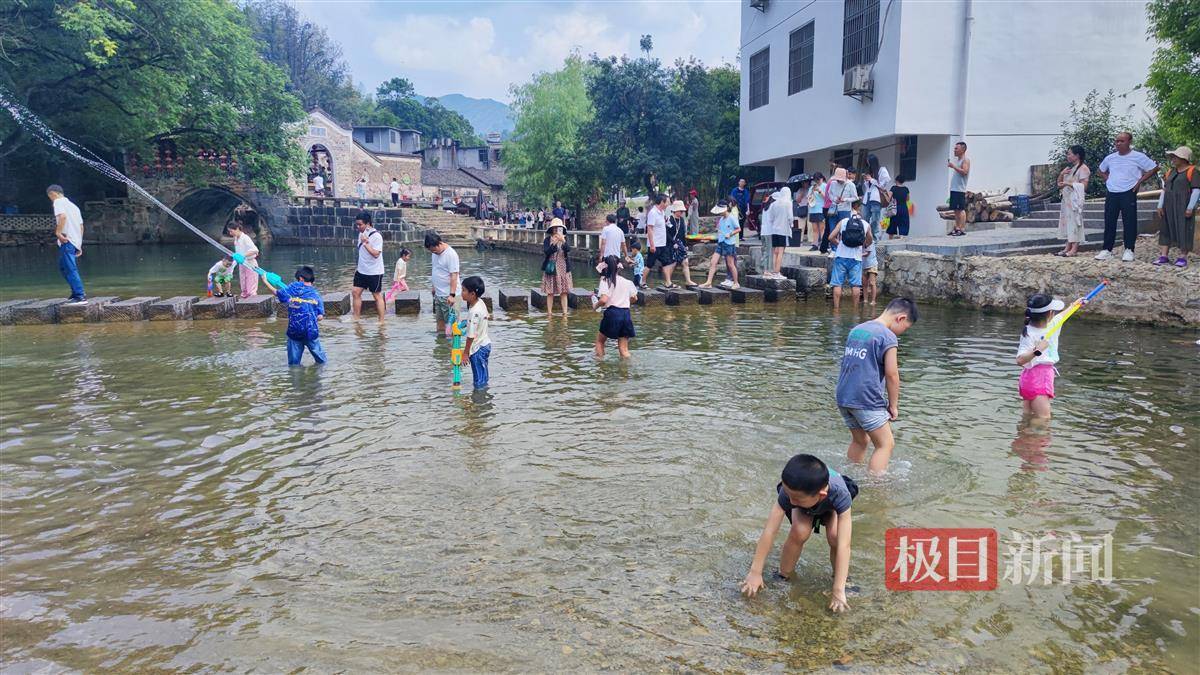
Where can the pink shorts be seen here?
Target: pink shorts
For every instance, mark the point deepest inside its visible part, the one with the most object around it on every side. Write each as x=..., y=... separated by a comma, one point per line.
x=1037, y=381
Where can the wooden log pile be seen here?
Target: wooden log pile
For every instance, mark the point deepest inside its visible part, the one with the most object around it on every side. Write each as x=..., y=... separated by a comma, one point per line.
x=983, y=207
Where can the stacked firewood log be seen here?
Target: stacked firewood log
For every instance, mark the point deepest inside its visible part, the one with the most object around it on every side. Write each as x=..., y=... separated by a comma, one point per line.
x=983, y=207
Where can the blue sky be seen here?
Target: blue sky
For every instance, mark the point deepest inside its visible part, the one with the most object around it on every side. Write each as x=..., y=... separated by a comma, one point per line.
x=480, y=48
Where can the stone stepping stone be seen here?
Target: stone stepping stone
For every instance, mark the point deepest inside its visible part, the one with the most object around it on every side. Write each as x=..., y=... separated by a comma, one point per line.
x=212, y=308
x=514, y=299
x=7, y=307
x=810, y=278
x=579, y=297
x=680, y=296
x=651, y=297
x=715, y=296
x=746, y=296
x=92, y=312
x=407, y=302
x=368, y=304
x=489, y=302
x=178, y=308
x=38, y=311
x=255, y=307
x=133, y=309
x=537, y=298
x=764, y=284
x=337, y=303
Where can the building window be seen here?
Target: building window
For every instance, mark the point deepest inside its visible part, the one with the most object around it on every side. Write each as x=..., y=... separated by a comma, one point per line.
x=797, y=166
x=844, y=158
x=907, y=151
x=316, y=131
x=369, y=136
x=800, y=58
x=860, y=33
x=483, y=157
x=392, y=136
x=760, y=73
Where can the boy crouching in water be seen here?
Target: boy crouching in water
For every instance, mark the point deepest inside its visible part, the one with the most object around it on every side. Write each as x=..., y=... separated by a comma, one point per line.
x=809, y=496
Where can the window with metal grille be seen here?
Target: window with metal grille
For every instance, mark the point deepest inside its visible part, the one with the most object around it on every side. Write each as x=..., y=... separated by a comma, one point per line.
x=760, y=73
x=800, y=58
x=392, y=136
x=797, y=166
x=844, y=158
x=860, y=33
x=906, y=149
x=369, y=135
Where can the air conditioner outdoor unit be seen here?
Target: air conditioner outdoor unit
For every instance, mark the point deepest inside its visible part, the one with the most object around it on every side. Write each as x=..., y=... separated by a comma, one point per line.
x=858, y=83
x=760, y=5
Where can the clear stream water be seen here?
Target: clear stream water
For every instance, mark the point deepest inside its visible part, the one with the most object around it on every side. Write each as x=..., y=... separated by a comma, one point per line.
x=174, y=497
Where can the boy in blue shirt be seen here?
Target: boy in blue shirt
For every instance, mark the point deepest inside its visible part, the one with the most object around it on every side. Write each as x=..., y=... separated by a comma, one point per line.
x=638, y=262
x=727, y=241
x=868, y=388
x=809, y=496
x=305, y=311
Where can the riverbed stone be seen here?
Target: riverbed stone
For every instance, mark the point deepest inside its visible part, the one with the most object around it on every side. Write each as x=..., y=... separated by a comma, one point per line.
x=489, y=302
x=6, y=309
x=213, y=308
x=514, y=299
x=337, y=303
x=714, y=296
x=407, y=302
x=651, y=297
x=38, y=311
x=133, y=309
x=537, y=298
x=680, y=296
x=178, y=308
x=255, y=307
x=744, y=295
x=579, y=297
x=92, y=312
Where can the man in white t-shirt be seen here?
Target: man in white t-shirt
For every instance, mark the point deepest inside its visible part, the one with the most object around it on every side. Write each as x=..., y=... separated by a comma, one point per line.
x=1123, y=172
x=612, y=239
x=444, y=271
x=395, y=191
x=852, y=236
x=68, y=230
x=368, y=274
x=319, y=185
x=656, y=237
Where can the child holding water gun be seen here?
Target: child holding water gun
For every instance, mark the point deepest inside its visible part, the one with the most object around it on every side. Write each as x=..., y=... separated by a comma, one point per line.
x=1037, y=354
x=220, y=278
x=305, y=309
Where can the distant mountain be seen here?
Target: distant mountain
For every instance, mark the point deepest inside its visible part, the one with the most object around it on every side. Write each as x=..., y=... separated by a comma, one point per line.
x=485, y=114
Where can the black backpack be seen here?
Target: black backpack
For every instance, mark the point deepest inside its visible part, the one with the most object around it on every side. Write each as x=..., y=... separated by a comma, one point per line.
x=855, y=234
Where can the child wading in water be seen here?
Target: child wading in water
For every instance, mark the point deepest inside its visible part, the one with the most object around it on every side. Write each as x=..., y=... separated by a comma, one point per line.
x=220, y=275
x=1037, y=355
x=639, y=263
x=810, y=496
x=479, y=345
x=615, y=293
x=868, y=388
x=400, y=278
x=305, y=311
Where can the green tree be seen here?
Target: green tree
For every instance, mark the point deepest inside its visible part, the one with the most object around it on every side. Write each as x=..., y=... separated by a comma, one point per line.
x=1174, y=78
x=119, y=74
x=709, y=102
x=544, y=160
x=1093, y=124
x=398, y=98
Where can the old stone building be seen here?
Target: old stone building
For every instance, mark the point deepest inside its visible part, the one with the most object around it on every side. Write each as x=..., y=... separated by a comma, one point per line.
x=334, y=154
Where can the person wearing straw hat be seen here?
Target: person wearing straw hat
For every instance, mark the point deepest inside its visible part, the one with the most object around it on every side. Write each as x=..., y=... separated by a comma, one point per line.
x=727, y=232
x=556, y=266
x=1177, y=207
x=677, y=244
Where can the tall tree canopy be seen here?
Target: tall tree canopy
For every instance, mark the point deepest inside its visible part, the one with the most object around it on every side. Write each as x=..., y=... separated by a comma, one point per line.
x=544, y=160
x=123, y=74
x=1174, y=78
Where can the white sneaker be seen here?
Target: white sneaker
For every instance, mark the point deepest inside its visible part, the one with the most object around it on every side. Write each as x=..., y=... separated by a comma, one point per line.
x=1127, y=256
x=726, y=284
x=1103, y=255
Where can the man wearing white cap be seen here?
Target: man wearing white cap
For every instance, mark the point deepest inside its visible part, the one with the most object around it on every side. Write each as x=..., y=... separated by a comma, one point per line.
x=1123, y=172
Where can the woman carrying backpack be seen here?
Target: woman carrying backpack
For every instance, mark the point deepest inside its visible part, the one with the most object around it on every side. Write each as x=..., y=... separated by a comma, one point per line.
x=852, y=235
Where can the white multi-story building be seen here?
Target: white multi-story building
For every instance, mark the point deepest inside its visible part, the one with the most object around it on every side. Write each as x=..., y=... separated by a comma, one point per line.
x=826, y=80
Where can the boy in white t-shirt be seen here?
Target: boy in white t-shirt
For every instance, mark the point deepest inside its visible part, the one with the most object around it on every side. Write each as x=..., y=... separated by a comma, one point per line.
x=247, y=273
x=851, y=235
x=479, y=343
x=220, y=278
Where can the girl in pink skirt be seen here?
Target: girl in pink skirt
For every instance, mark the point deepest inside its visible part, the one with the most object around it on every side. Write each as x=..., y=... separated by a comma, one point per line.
x=1037, y=355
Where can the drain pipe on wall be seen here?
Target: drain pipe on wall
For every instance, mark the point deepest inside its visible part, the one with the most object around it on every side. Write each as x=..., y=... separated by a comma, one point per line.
x=964, y=65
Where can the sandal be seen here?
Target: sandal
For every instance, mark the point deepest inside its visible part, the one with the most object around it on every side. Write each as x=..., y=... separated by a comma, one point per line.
x=1181, y=263
x=1162, y=260
x=1060, y=254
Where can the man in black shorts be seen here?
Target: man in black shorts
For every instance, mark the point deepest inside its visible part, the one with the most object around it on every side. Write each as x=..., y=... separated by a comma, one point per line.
x=368, y=275
x=960, y=169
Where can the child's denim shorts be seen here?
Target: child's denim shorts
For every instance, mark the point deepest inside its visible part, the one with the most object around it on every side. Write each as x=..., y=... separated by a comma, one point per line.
x=867, y=420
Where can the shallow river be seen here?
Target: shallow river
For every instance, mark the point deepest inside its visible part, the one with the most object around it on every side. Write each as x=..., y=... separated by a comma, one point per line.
x=174, y=497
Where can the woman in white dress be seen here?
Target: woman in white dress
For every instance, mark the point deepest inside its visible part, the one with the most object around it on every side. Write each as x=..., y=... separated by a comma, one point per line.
x=1073, y=181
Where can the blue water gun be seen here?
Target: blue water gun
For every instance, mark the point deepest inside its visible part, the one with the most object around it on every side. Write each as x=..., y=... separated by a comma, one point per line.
x=272, y=278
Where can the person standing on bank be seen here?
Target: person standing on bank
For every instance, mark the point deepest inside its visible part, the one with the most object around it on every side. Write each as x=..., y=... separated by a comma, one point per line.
x=741, y=197
x=1123, y=172
x=68, y=230
x=395, y=189
x=1177, y=207
x=960, y=170
x=693, y=213
x=368, y=274
x=876, y=182
x=444, y=273
x=776, y=228
x=1073, y=182
x=556, y=266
